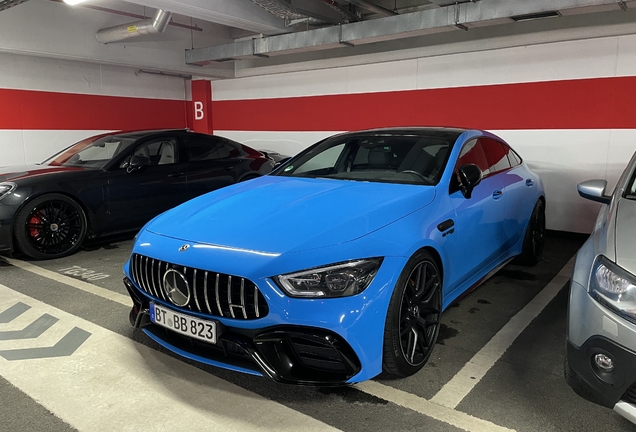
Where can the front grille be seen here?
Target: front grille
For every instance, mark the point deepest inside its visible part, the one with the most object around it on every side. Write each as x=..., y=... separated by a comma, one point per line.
x=212, y=293
x=630, y=396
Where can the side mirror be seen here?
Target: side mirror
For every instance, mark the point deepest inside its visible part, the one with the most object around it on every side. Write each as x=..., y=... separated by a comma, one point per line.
x=137, y=162
x=469, y=177
x=594, y=190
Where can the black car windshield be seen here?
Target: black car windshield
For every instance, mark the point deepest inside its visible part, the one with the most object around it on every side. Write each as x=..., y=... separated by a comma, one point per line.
x=390, y=158
x=91, y=152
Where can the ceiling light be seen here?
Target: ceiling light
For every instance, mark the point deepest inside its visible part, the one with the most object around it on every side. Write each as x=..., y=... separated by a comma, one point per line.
x=533, y=16
x=73, y=2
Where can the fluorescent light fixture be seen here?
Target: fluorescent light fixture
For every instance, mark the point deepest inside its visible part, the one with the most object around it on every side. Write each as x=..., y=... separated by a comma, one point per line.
x=73, y=2
x=533, y=16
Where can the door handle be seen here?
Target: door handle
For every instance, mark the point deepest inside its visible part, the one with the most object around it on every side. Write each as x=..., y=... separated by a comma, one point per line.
x=529, y=182
x=498, y=193
x=228, y=168
x=175, y=175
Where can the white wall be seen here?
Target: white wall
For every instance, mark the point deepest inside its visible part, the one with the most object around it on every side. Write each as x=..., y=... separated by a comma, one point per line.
x=562, y=157
x=42, y=75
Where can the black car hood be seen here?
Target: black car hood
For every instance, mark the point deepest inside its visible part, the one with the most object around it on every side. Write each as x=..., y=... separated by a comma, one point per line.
x=19, y=172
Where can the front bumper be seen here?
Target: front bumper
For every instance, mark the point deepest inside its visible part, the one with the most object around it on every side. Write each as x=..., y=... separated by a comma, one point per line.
x=287, y=354
x=593, y=329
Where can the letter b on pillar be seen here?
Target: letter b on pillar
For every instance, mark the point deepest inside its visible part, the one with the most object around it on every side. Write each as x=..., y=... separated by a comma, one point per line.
x=201, y=109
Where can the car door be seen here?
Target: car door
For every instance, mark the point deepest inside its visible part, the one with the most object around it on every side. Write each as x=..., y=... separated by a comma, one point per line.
x=478, y=233
x=506, y=165
x=137, y=195
x=212, y=163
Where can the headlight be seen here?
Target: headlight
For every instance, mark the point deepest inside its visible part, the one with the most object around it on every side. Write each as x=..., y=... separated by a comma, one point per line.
x=614, y=287
x=337, y=280
x=6, y=188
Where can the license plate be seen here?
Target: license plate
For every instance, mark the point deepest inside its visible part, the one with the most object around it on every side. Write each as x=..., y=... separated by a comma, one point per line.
x=184, y=324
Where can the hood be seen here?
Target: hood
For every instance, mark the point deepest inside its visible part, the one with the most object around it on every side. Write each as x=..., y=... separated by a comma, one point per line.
x=282, y=214
x=19, y=172
x=626, y=235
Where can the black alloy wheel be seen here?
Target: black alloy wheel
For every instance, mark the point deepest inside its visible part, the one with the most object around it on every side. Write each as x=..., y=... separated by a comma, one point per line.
x=413, y=319
x=50, y=226
x=534, y=239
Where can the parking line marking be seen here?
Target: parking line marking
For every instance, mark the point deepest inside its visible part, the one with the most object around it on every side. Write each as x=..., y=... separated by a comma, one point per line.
x=467, y=378
x=112, y=383
x=418, y=404
x=81, y=285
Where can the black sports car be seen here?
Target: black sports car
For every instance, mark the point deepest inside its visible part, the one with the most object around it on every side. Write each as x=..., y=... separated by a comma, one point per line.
x=114, y=183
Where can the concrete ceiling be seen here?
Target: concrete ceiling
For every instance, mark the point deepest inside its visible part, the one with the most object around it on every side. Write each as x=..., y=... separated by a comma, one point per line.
x=227, y=38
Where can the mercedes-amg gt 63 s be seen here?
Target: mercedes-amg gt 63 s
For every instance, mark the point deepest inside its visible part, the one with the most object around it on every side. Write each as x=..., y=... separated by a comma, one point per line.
x=114, y=183
x=337, y=265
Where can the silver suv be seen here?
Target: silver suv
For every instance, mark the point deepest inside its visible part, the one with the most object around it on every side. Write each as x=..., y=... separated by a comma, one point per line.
x=600, y=363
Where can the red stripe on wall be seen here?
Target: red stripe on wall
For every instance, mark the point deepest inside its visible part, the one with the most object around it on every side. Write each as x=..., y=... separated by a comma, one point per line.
x=600, y=103
x=27, y=109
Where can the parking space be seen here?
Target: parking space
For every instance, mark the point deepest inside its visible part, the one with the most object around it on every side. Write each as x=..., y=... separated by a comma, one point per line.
x=497, y=364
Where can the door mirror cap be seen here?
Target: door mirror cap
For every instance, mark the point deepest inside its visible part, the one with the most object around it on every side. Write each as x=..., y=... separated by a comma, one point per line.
x=594, y=190
x=469, y=177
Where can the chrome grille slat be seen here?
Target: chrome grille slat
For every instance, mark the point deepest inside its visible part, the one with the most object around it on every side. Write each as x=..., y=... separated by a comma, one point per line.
x=152, y=273
x=216, y=293
x=147, y=273
x=229, y=295
x=194, y=289
x=243, y=298
x=256, y=302
x=205, y=291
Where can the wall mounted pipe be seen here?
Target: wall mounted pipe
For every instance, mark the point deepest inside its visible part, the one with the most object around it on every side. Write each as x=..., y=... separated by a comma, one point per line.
x=126, y=31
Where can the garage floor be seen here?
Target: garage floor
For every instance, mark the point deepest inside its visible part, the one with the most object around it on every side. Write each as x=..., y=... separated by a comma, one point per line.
x=69, y=360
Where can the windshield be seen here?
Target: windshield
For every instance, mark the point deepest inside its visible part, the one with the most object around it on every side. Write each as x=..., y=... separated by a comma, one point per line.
x=389, y=158
x=91, y=152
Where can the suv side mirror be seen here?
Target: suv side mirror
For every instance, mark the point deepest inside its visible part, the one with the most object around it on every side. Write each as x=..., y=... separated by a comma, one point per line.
x=594, y=190
x=469, y=177
x=137, y=162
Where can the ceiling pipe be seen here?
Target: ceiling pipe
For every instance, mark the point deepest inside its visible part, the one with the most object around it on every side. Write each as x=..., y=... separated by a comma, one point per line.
x=373, y=7
x=125, y=31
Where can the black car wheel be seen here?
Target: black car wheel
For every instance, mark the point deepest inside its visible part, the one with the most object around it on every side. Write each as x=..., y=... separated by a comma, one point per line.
x=413, y=318
x=535, y=236
x=50, y=226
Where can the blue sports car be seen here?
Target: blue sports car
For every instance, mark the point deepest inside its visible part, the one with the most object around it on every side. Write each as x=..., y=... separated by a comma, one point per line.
x=338, y=265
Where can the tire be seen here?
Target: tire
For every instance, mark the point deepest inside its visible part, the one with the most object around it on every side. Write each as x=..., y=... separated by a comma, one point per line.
x=534, y=239
x=413, y=317
x=50, y=226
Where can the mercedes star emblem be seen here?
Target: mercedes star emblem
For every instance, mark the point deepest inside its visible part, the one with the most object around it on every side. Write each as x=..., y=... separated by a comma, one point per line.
x=176, y=287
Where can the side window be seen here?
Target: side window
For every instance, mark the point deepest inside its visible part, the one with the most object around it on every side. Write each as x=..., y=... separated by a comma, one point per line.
x=515, y=159
x=201, y=148
x=473, y=153
x=159, y=152
x=497, y=155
